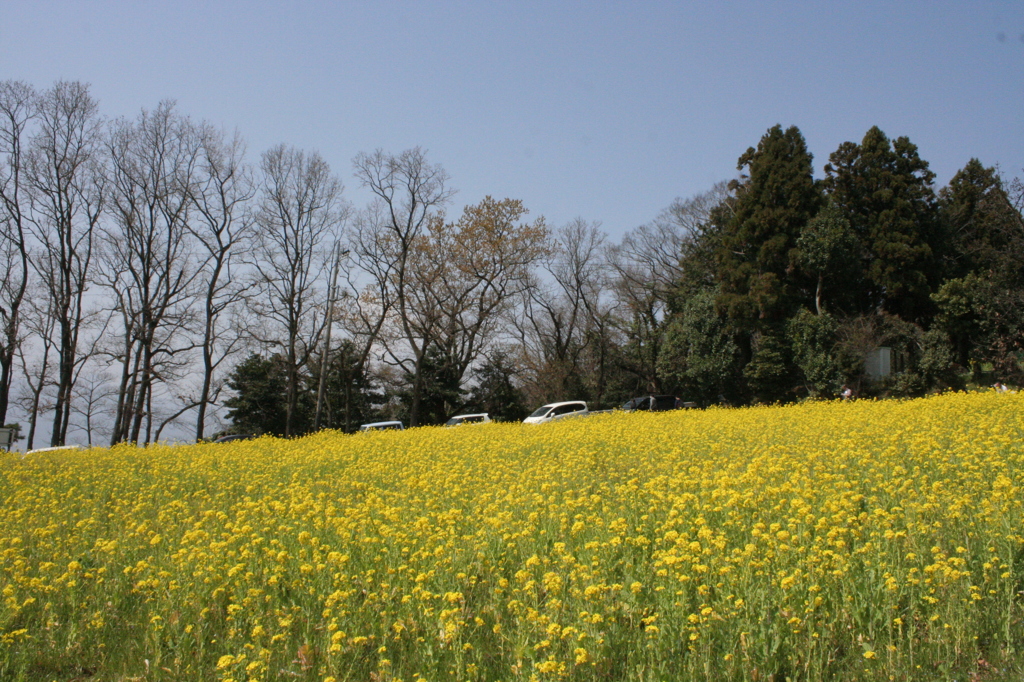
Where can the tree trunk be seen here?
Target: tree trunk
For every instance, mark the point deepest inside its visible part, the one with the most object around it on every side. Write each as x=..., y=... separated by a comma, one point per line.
x=65, y=376
x=817, y=294
x=204, y=395
x=6, y=369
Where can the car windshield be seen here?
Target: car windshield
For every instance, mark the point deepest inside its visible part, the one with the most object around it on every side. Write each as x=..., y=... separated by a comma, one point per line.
x=541, y=411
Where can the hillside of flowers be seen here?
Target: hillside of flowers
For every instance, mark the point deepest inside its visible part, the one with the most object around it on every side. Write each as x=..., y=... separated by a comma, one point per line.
x=863, y=540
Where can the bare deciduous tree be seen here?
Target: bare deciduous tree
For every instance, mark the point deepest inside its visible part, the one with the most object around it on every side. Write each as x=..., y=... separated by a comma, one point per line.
x=150, y=260
x=467, y=275
x=36, y=358
x=409, y=193
x=298, y=221
x=220, y=193
x=17, y=109
x=559, y=311
x=648, y=265
x=92, y=397
x=66, y=181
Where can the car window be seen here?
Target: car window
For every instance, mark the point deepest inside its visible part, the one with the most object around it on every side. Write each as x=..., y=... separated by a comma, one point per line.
x=665, y=402
x=541, y=411
x=643, y=404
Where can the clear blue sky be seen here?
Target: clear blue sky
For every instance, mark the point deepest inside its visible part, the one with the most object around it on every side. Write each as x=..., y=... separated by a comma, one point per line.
x=600, y=110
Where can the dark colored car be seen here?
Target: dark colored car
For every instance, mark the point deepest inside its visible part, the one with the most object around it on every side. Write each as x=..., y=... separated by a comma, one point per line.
x=235, y=436
x=655, y=403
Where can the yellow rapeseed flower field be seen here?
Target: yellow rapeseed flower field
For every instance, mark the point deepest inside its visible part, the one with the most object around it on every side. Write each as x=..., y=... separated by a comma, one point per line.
x=864, y=540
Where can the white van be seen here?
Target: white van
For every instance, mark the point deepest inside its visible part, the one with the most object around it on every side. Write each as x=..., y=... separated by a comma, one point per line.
x=553, y=411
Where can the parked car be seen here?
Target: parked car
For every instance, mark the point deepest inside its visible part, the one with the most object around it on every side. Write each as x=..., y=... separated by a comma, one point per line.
x=234, y=436
x=458, y=420
x=54, y=448
x=382, y=426
x=655, y=403
x=554, y=411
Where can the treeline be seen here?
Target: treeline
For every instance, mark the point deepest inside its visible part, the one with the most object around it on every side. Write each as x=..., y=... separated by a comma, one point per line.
x=772, y=288
x=795, y=282
x=157, y=278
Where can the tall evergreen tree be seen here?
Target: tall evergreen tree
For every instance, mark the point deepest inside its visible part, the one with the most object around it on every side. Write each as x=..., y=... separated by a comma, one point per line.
x=981, y=304
x=260, y=404
x=758, y=259
x=984, y=228
x=441, y=394
x=885, y=190
x=495, y=391
x=757, y=256
x=349, y=393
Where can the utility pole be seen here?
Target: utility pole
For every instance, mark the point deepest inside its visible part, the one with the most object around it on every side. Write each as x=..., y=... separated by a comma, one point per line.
x=325, y=356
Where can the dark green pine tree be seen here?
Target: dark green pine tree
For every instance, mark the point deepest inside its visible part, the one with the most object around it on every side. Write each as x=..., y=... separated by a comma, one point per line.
x=885, y=190
x=495, y=392
x=349, y=393
x=758, y=259
x=981, y=303
x=258, y=405
x=441, y=394
x=757, y=256
x=983, y=228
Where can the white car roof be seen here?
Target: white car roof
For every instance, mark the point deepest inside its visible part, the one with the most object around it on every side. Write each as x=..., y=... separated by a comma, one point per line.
x=389, y=423
x=566, y=402
x=476, y=414
x=55, y=448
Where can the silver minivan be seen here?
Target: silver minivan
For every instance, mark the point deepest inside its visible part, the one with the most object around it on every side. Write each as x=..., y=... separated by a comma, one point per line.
x=553, y=411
